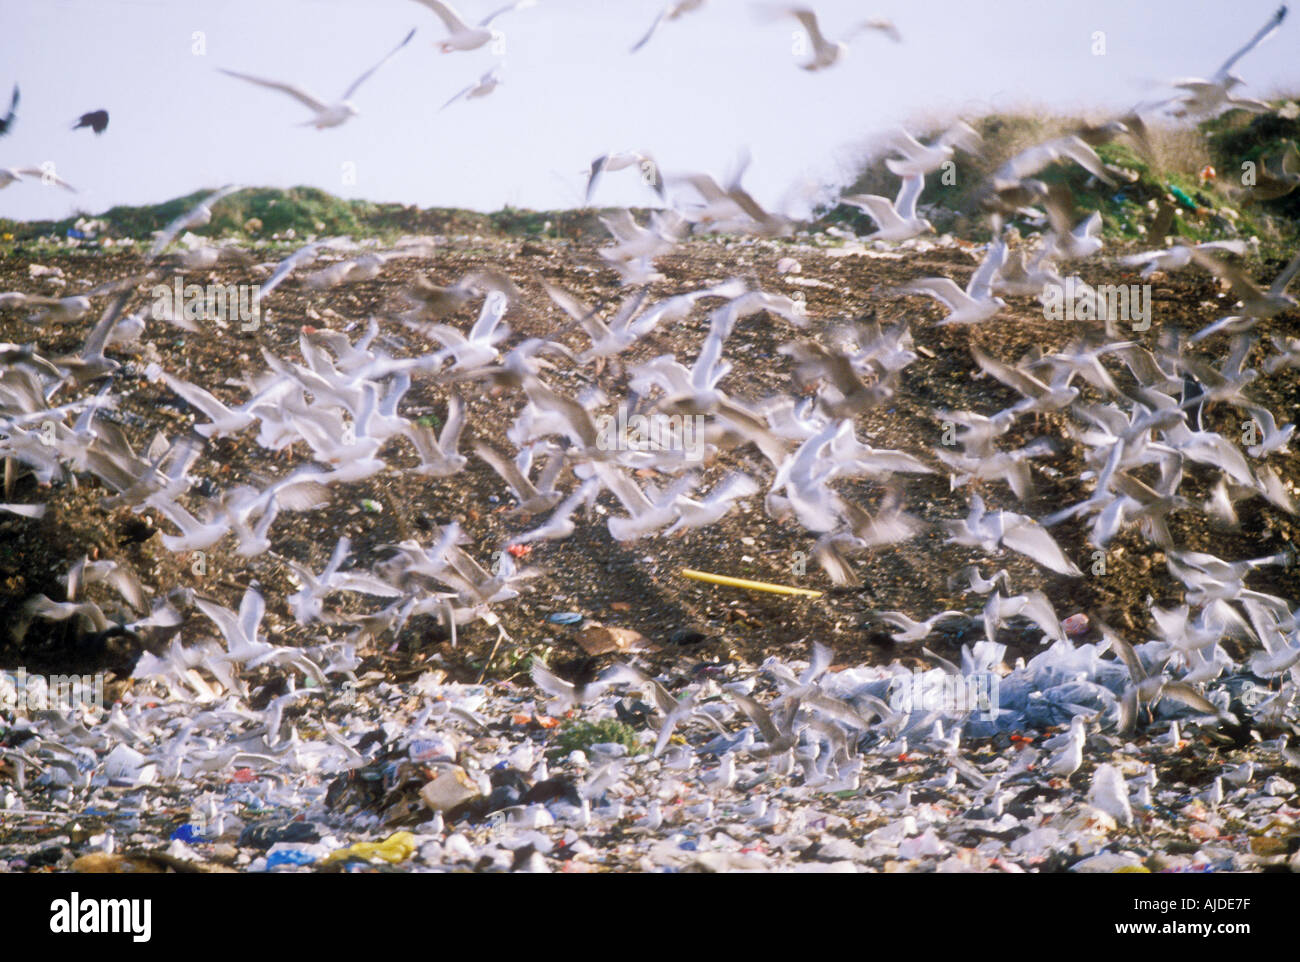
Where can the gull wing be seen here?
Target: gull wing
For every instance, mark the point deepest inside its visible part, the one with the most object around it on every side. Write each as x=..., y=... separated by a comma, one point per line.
x=808, y=20
x=495, y=305
x=99, y=336
x=623, y=673
x=1031, y=539
x=891, y=524
x=508, y=470
x=180, y=223
x=449, y=17
x=550, y=683
x=198, y=398
x=1059, y=205
x=732, y=488
x=622, y=225
x=834, y=563
x=908, y=194
x=13, y=105
x=758, y=716
x=880, y=209
x=627, y=310
x=300, y=494
x=818, y=662
x=943, y=289
x=577, y=309
x=963, y=135
x=46, y=175
x=1243, y=287
x=907, y=145
x=302, y=255
x=1034, y=159
x=449, y=439
x=1090, y=227
x=597, y=168
x=1038, y=609
x=883, y=26
x=1012, y=377
x=1288, y=273
x=651, y=32
x=1078, y=151
x=347, y=94
x=982, y=280
x=1185, y=693
x=1264, y=32
x=517, y=5
x=297, y=93
x=221, y=616
x=458, y=96
x=251, y=610
x=706, y=187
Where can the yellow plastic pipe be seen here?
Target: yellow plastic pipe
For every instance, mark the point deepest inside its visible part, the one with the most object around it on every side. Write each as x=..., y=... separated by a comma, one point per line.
x=745, y=583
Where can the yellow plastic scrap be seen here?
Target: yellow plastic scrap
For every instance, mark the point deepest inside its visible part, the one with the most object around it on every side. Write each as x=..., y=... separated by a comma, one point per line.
x=102, y=862
x=746, y=583
x=398, y=847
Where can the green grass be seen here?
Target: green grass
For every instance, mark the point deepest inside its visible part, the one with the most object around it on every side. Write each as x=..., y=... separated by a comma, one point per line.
x=580, y=736
x=262, y=214
x=265, y=213
x=1226, y=142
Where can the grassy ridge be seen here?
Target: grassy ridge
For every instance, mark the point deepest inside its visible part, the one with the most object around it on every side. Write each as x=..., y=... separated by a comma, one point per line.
x=262, y=213
x=1204, y=210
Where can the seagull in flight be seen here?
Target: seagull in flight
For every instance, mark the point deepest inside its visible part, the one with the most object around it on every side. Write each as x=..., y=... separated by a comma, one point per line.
x=10, y=175
x=327, y=115
x=532, y=498
x=1067, y=242
x=916, y=630
x=1255, y=301
x=1039, y=396
x=460, y=35
x=919, y=158
x=1209, y=96
x=622, y=159
x=479, y=347
x=439, y=456
x=896, y=221
x=1145, y=688
x=710, y=510
x=571, y=694
x=198, y=216
x=241, y=631
x=988, y=530
x=976, y=303
x=481, y=88
x=1179, y=256
x=560, y=523
x=1030, y=161
x=1272, y=181
x=827, y=53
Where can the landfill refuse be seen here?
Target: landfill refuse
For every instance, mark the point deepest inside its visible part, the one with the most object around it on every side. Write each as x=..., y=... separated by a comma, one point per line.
x=732, y=543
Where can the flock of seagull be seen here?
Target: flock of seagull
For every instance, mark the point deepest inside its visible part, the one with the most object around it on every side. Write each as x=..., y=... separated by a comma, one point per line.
x=1141, y=416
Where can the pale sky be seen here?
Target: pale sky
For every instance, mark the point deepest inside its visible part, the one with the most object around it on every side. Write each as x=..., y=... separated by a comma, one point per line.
x=705, y=87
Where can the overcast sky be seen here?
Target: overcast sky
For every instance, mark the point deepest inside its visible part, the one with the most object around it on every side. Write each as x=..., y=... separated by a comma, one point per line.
x=705, y=87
